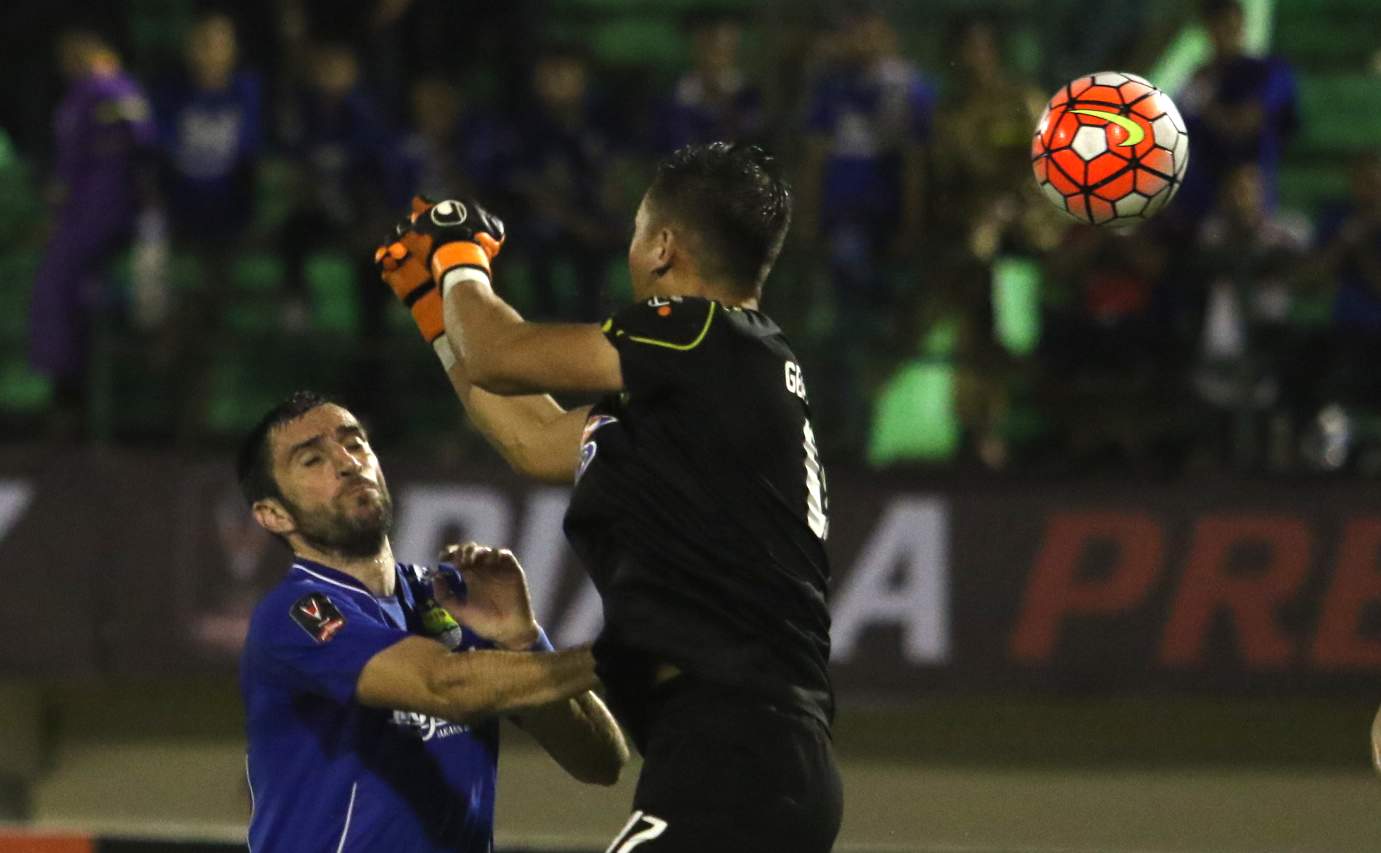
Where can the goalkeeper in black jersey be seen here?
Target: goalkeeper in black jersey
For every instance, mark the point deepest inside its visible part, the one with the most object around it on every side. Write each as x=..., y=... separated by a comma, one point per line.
x=699, y=507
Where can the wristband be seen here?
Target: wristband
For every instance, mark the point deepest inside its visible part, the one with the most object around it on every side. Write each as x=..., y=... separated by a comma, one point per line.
x=543, y=644
x=456, y=275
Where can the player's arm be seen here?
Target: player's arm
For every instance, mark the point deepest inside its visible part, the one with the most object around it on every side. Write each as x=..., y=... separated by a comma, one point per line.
x=505, y=354
x=533, y=434
x=581, y=735
x=421, y=675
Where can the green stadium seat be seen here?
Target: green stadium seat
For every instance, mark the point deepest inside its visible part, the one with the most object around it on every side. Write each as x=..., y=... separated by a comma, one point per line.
x=658, y=43
x=334, y=294
x=1017, y=304
x=22, y=390
x=914, y=419
x=1306, y=186
x=1340, y=112
x=1326, y=33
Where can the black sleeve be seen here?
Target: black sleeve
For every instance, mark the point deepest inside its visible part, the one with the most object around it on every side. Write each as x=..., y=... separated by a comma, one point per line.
x=667, y=343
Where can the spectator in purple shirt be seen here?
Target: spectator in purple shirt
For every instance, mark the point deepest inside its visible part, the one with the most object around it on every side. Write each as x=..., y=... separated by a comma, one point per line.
x=103, y=136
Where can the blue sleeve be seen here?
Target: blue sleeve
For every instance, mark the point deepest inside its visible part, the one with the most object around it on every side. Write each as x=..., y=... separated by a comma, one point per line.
x=317, y=643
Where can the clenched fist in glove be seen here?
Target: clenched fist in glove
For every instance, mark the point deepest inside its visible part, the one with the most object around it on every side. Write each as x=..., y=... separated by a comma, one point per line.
x=438, y=245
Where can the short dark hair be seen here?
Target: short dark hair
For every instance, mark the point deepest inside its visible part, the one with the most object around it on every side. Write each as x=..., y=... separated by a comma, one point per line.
x=254, y=462
x=733, y=198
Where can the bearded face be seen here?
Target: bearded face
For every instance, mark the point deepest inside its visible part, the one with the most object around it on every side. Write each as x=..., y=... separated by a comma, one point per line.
x=355, y=523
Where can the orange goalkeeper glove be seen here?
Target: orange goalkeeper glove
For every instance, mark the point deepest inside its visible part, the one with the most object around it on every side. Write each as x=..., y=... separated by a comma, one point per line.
x=447, y=239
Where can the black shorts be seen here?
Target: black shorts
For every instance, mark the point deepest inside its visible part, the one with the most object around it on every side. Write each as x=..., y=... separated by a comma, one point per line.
x=732, y=773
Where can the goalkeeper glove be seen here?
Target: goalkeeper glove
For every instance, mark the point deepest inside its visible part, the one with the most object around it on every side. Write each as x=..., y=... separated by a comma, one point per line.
x=438, y=244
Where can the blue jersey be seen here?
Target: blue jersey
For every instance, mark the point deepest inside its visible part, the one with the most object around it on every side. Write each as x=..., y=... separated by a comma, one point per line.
x=329, y=774
x=210, y=140
x=868, y=116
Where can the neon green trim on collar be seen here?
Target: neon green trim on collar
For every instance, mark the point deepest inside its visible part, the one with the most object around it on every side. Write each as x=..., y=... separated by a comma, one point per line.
x=682, y=347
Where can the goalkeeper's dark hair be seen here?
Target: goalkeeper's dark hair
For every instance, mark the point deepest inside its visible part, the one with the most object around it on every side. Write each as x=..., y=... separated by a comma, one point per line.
x=733, y=198
x=254, y=462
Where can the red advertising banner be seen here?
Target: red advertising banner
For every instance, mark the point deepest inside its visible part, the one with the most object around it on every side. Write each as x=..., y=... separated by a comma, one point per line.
x=130, y=564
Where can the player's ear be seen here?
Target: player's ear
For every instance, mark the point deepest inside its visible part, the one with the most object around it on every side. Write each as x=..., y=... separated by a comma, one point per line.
x=273, y=516
x=666, y=246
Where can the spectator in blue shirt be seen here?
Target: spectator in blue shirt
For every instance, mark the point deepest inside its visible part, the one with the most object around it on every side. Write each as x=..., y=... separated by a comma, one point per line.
x=1240, y=110
x=1348, y=261
x=861, y=190
x=561, y=175
x=715, y=100
x=210, y=131
x=349, y=159
x=372, y=689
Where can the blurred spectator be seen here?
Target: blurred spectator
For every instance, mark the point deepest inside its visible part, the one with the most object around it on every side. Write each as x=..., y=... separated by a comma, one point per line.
x=562, y=177
x=351, y=190
x=210, y=131
x=985, y=200
x=103, y=136
x=1239, y=109
x=861, y=186
x=453, y=148
x=432, y=150
x=1350, y=240
x=715, y=99
x=860, y=194
x=1249, y=258
x=1349, y=260
x=1107, y=345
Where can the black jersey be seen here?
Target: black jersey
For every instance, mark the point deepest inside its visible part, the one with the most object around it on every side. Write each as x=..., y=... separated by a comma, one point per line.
x=700, y=509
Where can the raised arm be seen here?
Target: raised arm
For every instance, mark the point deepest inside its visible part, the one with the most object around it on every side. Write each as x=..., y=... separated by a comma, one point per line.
x=505, y=354
x=533, y=434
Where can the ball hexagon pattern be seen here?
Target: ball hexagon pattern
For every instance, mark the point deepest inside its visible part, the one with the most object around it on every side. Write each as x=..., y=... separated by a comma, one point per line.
x=1110, y=149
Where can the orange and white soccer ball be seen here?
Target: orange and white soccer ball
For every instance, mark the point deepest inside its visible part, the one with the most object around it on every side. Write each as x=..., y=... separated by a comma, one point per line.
x=1110, y=149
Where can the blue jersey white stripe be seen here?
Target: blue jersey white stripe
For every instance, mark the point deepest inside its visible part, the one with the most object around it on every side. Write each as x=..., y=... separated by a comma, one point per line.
x=328, y=774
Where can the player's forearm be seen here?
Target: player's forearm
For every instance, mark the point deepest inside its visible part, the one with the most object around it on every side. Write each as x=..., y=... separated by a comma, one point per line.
x=581, y=735
x=477, y=322
x=472, y=685
x=517, y=427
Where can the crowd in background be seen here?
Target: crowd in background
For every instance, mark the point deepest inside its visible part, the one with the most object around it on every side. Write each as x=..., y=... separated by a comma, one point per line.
x=945, y=312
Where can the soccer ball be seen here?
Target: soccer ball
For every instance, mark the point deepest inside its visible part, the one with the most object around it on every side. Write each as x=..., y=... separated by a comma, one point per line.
x=1110, y=149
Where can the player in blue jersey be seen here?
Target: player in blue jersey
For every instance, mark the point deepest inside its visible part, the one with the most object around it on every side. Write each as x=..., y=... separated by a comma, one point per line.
x=373, y=689
x=699, y=505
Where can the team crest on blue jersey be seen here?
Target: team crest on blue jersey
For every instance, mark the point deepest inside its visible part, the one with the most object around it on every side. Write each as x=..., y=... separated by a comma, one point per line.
x=588, y=448
x=315, y=614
